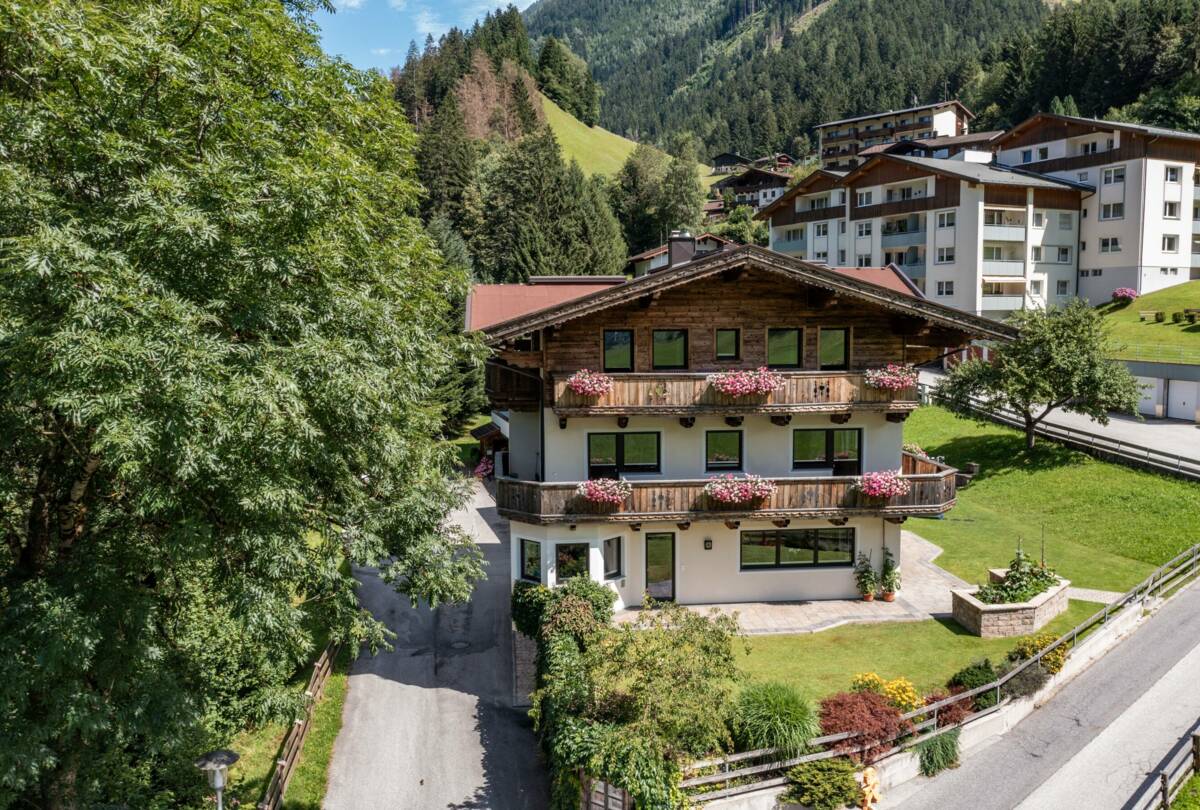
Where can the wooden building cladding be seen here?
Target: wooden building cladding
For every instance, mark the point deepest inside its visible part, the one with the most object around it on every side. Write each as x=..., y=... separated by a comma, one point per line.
x=1134, y=145
x=752, y=301
x=946, y=190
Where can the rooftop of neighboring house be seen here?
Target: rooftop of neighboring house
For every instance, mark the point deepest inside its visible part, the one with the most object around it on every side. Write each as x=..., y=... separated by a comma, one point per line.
x=657, y=251
x=887, y=113
x=753, y=177
x=887, y=287
x=490, y=304
x=1095, y=124
x=993, y=174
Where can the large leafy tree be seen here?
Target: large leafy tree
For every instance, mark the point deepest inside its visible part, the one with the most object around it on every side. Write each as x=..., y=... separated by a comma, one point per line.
x=221, y=325
x=1060, y=359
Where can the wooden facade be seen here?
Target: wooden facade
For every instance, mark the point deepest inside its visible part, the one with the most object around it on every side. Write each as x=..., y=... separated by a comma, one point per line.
x=691, y=394
x=931, y=492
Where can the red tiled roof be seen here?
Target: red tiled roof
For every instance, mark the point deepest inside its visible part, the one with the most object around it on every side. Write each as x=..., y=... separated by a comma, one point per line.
x=490, y=304
x=889, y=277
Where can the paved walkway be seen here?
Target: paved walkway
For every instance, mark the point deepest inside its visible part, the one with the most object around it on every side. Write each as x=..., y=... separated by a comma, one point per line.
x=1094, y=743
x=430, y=725
x=924, y=595
x=1173, y=436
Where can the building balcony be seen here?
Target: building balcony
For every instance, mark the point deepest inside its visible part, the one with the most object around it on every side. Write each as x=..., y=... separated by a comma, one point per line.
x=902, y=238
x=931, y=492
x=1004, y=233
x=1008, y=268
x=791, y=246
x=1005, y=303
x=690, y=394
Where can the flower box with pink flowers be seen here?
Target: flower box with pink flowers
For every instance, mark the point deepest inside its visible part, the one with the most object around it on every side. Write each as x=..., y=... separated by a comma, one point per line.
x=731, y=489
x=588, y=383
x=745, y=383
x=883, y=485
x=605, y=491
x=891, y=377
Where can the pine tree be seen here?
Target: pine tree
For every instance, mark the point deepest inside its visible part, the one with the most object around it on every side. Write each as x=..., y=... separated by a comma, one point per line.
x=446, y=163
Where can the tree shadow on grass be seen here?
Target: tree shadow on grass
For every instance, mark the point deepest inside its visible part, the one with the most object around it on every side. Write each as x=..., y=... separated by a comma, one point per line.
x=997, y=455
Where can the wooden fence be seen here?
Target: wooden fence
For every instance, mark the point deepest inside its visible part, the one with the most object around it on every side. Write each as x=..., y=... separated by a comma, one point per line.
x=293, y=741
x=764, y=768
x=1180, y=766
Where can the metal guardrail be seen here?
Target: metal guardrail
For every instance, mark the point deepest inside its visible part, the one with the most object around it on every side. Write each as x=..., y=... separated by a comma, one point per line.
x=1158, y=353
x=1181, y=765
x=768, y=768
x=1097, y=444
x=293, y=742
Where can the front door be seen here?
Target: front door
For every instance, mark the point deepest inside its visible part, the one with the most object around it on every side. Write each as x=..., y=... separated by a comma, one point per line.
x=660, y=565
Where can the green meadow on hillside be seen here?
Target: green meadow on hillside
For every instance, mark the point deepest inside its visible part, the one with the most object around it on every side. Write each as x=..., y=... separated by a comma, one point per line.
x=1148, y=340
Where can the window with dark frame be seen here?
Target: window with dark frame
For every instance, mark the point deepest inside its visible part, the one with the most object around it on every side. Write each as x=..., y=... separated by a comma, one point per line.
x=783, y=348
x=722, y=450
x=570, y=560
x=618, y=350
x=531, y=560
x=796, y=548
x=610, y=454
x=613, y=568
x=834, y=349
x=669, y=349
x=729, y=344
x=836, y=448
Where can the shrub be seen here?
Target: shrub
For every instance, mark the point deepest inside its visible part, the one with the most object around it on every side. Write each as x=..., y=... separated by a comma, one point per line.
x=889, y=577
x=529, y=601
x=1025, y=683
x=939, y=753
x=951, y=714
x=1027, y=648
x=827, y=784
x=1024, y=580
x=1176, y=317
x=973, y=676
x=1123, y=295
x=899, y=692
x=599, y=596
x=572, y=615
x=876, y=722
x=1159, y=317
x=774, y=715
x=865, y=576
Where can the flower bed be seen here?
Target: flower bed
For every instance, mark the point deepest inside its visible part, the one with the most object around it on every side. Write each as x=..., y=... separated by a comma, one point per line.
x=587, y=383
x=484, y=468
x=886, y=484
x=747, y=489
x=1009, y=619
x=1124, y=294
x=746, y=383
x=891, y=377
x=608, y=491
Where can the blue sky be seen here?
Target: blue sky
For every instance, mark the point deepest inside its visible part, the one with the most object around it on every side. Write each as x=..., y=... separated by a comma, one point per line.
x=376, y=33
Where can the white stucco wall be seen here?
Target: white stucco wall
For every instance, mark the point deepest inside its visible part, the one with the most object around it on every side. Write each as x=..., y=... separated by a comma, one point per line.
x=708, y=576
x=524, y=439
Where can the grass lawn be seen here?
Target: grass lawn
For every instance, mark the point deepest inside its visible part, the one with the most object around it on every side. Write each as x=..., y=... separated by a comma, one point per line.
x=1147, y=340
x=927, y=653
x=597, y=150
x=259, y=748
x=467, y=446
x=1189, y=795
x=1106, y=526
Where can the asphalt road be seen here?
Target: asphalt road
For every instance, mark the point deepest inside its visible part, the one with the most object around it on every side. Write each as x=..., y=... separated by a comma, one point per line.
x=430, y=726
x=1044, y=759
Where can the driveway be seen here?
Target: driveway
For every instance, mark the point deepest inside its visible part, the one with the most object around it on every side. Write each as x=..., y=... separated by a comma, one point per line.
x=430, y=726
x=1100, y=737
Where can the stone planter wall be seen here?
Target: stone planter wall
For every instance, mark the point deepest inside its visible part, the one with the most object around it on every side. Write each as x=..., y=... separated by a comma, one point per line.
x=1000, y=621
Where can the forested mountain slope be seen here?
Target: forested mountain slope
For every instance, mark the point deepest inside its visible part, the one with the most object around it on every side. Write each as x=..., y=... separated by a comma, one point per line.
x=749, y=75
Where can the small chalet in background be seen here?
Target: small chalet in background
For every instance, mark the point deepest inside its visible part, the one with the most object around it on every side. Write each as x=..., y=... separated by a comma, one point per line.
x=757, y=188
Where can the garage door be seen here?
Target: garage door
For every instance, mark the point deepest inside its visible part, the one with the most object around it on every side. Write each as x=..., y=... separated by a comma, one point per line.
x=1181, y=399
x=1151, y=395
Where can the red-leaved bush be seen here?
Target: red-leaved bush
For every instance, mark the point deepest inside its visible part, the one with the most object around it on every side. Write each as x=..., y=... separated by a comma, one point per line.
x=954, y=713
x=875, y=721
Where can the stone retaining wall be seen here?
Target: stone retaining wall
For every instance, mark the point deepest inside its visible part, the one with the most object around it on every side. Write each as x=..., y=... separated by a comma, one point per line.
x=1000, y=621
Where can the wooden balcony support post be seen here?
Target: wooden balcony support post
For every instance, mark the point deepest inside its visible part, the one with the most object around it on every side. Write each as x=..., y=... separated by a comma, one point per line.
x=781, y=420
x=896, y=417
x=734, y=421
x=687, y=421
x=732, y=524
x=622, y=422
x=839, y=418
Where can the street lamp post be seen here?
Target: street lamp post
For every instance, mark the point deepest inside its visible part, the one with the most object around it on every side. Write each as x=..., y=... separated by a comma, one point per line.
x=215, y=765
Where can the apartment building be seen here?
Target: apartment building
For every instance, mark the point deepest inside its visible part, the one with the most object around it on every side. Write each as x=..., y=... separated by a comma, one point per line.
x=840, y=142
x=663, y=426
x=1141, y=227
x=982, y=237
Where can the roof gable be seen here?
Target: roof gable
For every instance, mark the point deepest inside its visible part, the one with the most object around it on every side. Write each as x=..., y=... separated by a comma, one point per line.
x=785, y=267
x=818, y=180
x=1057, y=127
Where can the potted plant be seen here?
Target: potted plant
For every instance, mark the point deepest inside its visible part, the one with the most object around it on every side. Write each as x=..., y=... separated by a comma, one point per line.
x=746, y=383
x=730, y=489
x=605, y=491
x=889, y=578
x=865, y=577
x=892, y=377
x=587, y=383
x=880, y=486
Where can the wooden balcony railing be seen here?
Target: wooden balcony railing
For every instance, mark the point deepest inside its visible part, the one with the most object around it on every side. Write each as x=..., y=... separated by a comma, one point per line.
x=689, y=394
x=931, y=492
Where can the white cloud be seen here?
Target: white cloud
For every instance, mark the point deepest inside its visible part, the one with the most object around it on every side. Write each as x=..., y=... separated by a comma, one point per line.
x=348, y=5
x=399, y=5
x=382, y=51
x=428, y=23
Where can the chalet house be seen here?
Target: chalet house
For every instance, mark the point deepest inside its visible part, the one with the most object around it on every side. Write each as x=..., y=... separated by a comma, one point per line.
x=664, y=427
x=680, y=247
x=757, y=188
x=727, y=162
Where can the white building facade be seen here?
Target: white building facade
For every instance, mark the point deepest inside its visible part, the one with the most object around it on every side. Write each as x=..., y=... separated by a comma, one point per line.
x=839, y=142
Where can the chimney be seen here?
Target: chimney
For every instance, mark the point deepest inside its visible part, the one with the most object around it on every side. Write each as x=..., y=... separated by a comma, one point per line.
x=681, y=247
